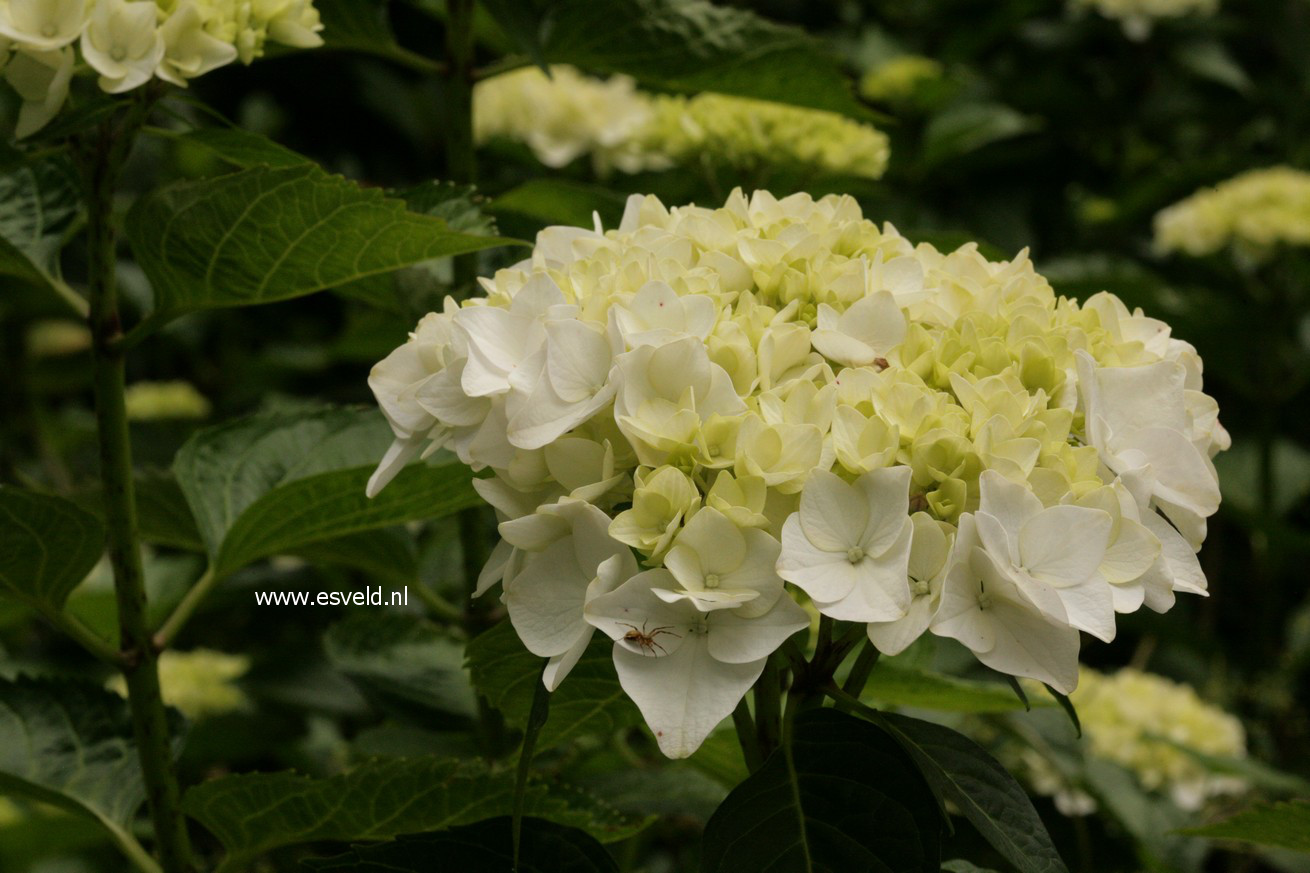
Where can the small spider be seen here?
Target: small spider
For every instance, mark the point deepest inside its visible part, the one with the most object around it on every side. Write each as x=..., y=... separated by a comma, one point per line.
x=647, y=640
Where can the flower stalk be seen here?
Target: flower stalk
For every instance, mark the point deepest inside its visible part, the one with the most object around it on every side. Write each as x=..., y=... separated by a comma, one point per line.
x=102, y=154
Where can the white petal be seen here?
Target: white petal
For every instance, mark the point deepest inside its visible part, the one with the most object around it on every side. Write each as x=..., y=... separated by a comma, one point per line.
x=736, y=639
x=833, y=515
x=685, y=694
x=398, y=454
x=559, y=665
x=545, y=601
x=1064, y=545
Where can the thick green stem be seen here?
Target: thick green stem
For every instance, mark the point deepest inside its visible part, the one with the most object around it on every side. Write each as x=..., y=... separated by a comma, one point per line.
x=864, y=664
x=746, y=735
x=102, y=157
x=768, y=708
x=461, y=159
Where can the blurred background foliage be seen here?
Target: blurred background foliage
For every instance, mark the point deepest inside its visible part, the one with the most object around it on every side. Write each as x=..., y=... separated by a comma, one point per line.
x=1014, y=123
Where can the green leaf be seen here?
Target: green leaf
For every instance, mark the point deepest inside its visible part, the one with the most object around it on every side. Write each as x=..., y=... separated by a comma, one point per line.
x=47, y=546
x=273, y=233
x=39, y=206
x=961, y=866
x=383, y=555
x=847, y=797
x=1279, y=825
x=378, y=800
x=480, y=848
x=967, y=127
x=71, y=744
x=590, y=701
x=243, y=148
x=682, y=45
x=402, y=659
x=960, y=771
x=162, y=515
x=362, y=26
x=897, y=685
x=560, y=201
x=277, y=482
x=1249, y=769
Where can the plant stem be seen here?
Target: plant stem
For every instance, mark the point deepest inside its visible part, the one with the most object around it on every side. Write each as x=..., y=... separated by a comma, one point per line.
x=768, y=708
x=864, y=665
x=461, y=159
x=103, y=154
x=746, y=736
x=172, y=626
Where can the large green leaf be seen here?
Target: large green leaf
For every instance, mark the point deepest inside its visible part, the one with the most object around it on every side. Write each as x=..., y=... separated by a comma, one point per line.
x=405, y=661
x=961, y=772
x=277, y=482
x=378, y=800
x=484, y=847
x=892, y=683
x=589, y=701
x=38, y=206
x=70, y=744
x=846, y=797
x=273, y=233
x=682, y=45
x=967, y=127
x=47, y=546
x=362, y=26
x=242, y=148
x=1279, y=825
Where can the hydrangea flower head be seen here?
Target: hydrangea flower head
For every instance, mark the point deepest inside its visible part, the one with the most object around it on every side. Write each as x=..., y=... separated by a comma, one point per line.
x=778, y=401
x=1253, y=213
x=126, y=43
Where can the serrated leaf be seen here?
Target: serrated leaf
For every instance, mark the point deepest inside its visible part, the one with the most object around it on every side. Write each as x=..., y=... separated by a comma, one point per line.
x=39, y=204
x=377, y=800
x=848, y=797
x=277, y=482
x=266, y=234
x=589, y=701
x=960, y=771
x=243, y=148
x=47, y=546
x=891, y=683
x=682, y=45
x=71, y=744
x=403, y=659
x=162, y=515
x=1279, y=825
x=480, y=848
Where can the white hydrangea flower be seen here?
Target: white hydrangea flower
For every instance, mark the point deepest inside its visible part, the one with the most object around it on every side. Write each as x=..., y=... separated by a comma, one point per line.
x=779, y=389
x=571, y=559
x=41, y=79
x=848, y=547
x=122, y=43
x=43, y=25
x=190, y=50
x=686, y=669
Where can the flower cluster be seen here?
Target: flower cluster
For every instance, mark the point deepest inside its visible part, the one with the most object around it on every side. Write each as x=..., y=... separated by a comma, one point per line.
x=1138, y=16
x=1147, y=724
x=568, y=115
x=154, y=401
x=1253, y=212
x=129, y=42
x=683, y=413
x=199, y=683
x=899, y=77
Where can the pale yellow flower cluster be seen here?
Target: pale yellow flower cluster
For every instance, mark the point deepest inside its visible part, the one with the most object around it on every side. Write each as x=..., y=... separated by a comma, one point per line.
x=780, y=390
x=569, y=115
x=1253, y=212
x=1138, y=16
x=199, y=683
x=126, y=43
x=151, y=401
x=898, y=77
x=1133, y=718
